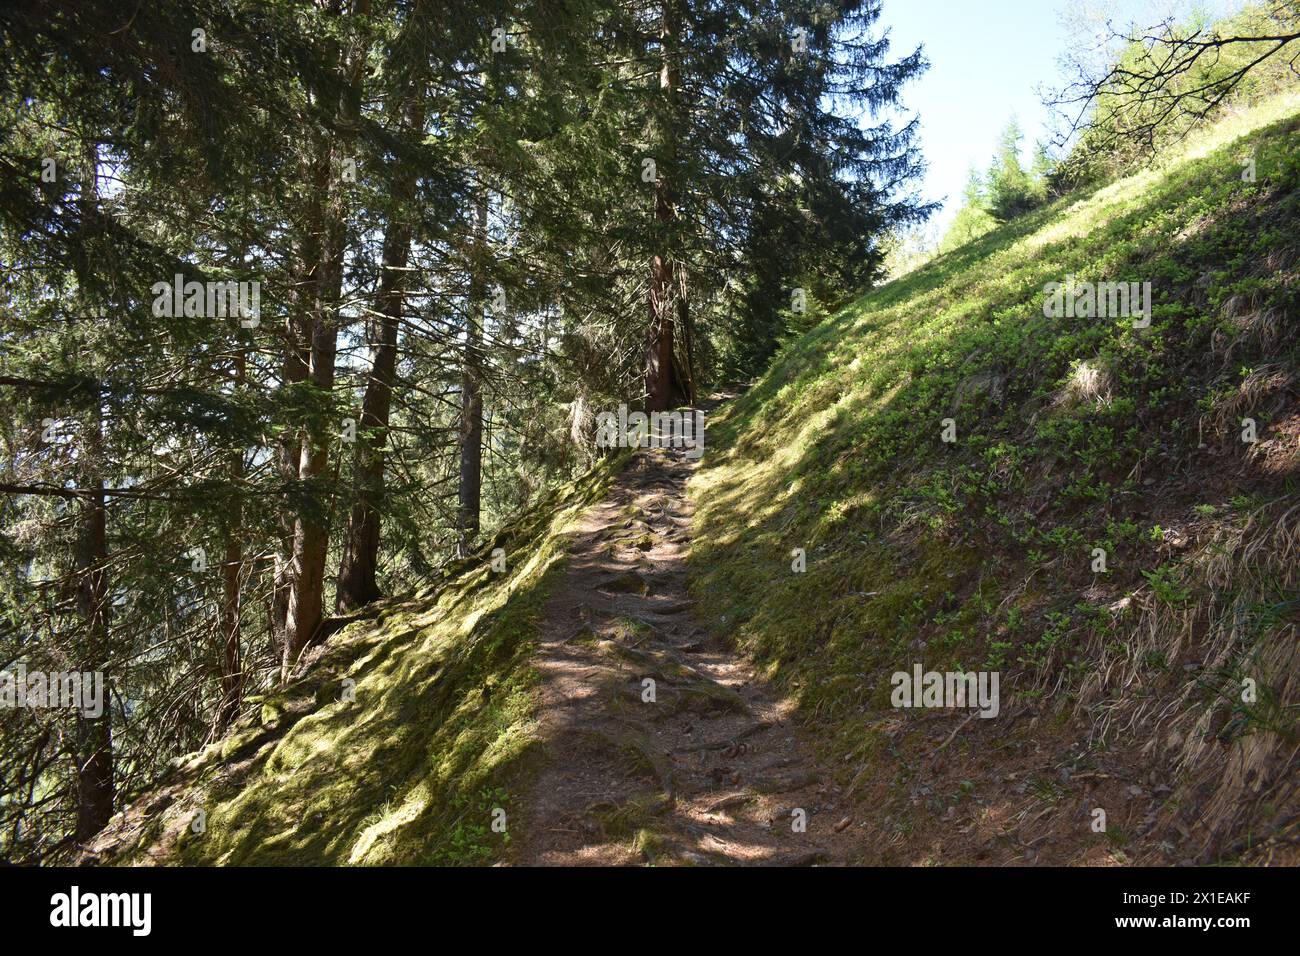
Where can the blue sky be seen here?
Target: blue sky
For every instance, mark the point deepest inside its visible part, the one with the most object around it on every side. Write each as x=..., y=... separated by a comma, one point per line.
x=986, y=58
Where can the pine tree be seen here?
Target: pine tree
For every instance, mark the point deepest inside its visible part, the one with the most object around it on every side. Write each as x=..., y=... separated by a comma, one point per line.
x=1010, y=189
x=443, y=207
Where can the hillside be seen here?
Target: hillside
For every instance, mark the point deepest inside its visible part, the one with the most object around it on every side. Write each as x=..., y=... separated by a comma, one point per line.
x=1121, y=689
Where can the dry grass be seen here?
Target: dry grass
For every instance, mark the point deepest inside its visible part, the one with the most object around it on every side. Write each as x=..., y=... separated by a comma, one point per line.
x=1233, y=758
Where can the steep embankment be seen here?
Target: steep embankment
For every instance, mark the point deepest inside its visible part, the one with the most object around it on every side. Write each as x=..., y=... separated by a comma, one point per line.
x=1163, y=690
x=396, y=743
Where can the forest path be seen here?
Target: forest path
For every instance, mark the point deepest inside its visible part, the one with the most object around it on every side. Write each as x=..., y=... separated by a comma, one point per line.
x=712, y=771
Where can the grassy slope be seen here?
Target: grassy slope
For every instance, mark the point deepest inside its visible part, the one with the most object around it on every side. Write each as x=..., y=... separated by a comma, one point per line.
x=1073, y=434
x=409, y=772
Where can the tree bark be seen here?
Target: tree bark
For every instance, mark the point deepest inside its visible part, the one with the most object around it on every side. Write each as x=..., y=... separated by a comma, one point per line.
x=311, y=529
x=684, y=371
x=468, y=516
x=94, y=735
x=357, y=584
x=294, y=371
x=662, y=384
x=659, y=356
x=232, y=671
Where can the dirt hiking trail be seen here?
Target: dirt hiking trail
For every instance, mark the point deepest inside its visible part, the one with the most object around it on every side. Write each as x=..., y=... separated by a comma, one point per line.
x=705, y=766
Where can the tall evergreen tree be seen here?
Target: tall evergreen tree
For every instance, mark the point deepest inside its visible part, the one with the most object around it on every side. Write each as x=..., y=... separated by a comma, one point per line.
x=459, y=257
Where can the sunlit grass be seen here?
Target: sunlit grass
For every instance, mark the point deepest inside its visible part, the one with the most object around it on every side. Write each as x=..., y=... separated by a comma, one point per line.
x=956, y=555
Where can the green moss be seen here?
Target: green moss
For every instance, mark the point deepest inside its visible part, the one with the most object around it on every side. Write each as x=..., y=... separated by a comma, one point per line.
x=649, y=844
x=624, y=820
x=432, y=745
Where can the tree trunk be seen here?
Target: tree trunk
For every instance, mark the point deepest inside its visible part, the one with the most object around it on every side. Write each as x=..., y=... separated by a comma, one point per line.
x=662, y=386
x=232, y=671
x=471, y=395
x=93, y=739
x=311, y=531
x=684, y=371
x=357, y=585
x=294, y=371
x=94, y=735
x=661, y=393
x=311, y=528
